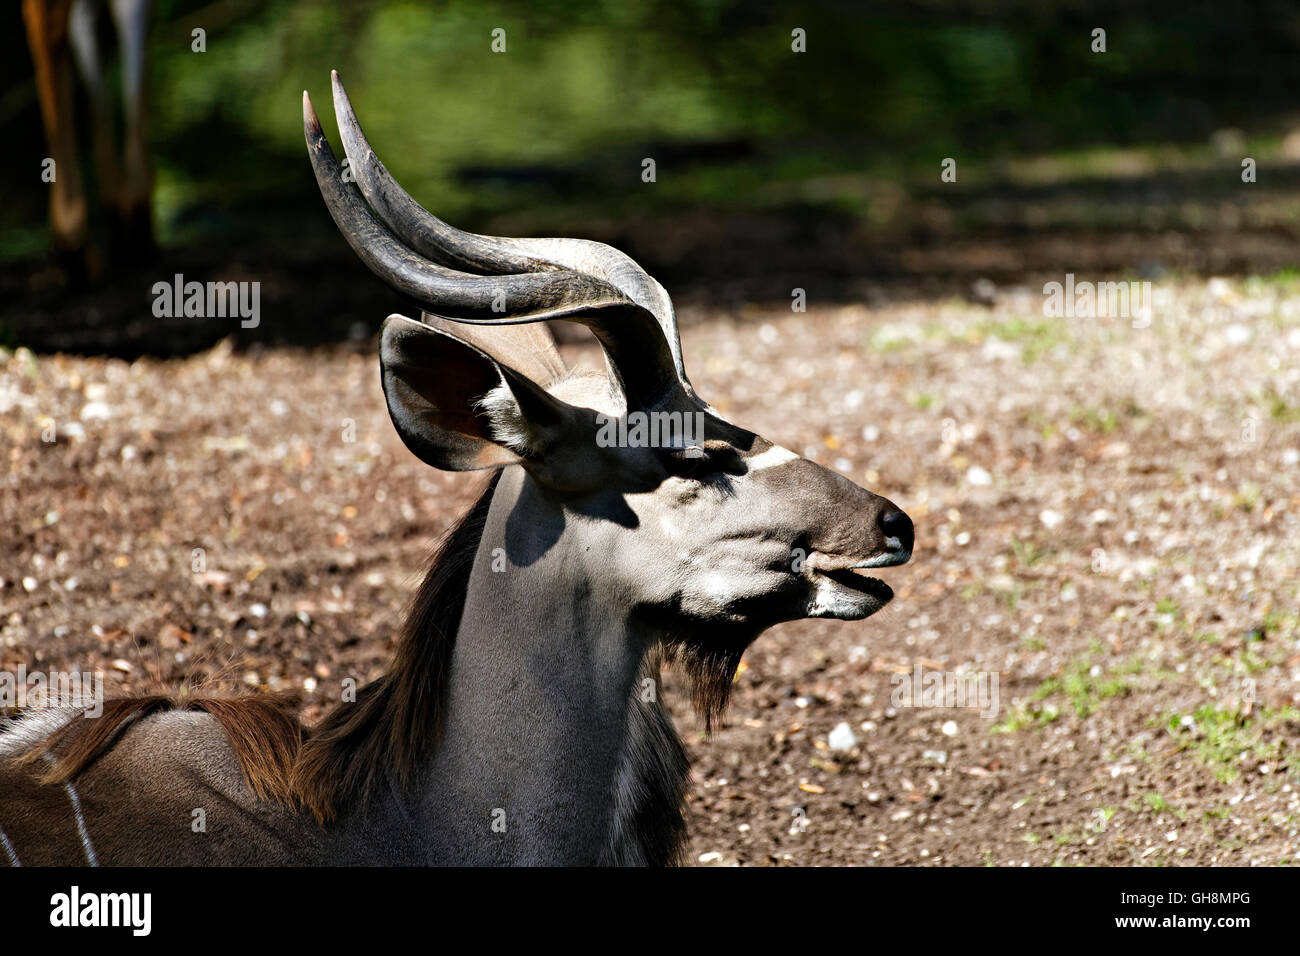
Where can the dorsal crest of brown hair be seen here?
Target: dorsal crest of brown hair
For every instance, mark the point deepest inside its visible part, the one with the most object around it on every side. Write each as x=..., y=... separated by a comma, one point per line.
x=397, y=719
x=263, y=730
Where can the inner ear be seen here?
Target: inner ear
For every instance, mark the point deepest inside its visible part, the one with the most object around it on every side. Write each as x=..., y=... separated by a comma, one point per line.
x=457, y=408
x=432, y=382
x=521, y=416
x=446, y=376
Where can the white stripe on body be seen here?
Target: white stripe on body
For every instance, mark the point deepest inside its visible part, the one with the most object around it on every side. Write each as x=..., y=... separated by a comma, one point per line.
x=10, y=853
x=81, y=820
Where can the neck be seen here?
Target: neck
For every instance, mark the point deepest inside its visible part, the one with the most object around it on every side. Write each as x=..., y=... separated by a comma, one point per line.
x=554, y=747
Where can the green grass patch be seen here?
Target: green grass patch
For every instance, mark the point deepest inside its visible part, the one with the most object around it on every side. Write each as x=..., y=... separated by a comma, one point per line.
x=1028, y=553
x=1036, y=336
x=1158, y=805
x=1078, y=686
x=1221, y=738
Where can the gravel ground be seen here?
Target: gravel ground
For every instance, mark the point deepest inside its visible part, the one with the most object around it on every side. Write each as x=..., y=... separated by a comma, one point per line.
x=1107, y=528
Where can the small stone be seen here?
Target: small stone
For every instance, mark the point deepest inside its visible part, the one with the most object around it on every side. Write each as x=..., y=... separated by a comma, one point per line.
x=842, y=737
x=984, y=291
x=1219, y=288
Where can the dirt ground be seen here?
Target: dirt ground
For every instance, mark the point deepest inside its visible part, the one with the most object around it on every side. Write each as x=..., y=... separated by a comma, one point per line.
x=1108, y=524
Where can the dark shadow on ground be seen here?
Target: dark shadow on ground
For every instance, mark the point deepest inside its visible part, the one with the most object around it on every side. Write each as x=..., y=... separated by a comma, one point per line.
x=938, y=242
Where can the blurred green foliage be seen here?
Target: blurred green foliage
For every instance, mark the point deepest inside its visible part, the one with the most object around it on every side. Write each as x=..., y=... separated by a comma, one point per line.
x=711, y=88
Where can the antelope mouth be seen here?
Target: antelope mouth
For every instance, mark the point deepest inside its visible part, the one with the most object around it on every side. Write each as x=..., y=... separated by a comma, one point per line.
x=847, y=594
x=854, y=580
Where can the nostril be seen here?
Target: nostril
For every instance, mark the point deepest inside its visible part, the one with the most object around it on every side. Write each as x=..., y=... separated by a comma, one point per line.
x=895, y=524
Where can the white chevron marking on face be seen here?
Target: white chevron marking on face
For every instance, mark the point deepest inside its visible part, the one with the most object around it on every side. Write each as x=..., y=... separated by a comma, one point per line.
x=776, y=455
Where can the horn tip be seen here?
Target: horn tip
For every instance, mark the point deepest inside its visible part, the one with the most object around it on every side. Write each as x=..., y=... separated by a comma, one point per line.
x=309, y=118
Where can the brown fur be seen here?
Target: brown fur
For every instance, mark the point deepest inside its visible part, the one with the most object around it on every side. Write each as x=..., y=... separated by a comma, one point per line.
x=709, y=668
x=264, y=735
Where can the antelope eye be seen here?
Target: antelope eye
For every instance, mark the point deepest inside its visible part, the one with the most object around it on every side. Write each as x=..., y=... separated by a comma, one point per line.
x=703, y=461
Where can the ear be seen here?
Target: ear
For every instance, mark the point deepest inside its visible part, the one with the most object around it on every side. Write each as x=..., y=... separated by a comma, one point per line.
x=458, y=409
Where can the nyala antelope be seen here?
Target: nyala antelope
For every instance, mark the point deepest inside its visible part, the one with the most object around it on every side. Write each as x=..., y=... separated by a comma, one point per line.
x=512, y=727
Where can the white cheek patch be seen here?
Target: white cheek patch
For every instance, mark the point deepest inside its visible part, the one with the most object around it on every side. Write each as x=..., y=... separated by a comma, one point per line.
x=776, y=455
x=826, y=600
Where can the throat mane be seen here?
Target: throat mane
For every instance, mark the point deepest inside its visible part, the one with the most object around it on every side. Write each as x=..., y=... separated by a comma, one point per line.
x=648, y=827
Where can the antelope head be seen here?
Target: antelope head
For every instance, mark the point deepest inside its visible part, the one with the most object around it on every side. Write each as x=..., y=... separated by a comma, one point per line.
x=679, y=515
